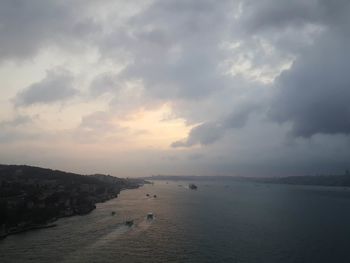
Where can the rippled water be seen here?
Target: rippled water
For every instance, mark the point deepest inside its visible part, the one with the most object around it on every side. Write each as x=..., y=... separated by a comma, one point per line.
x=220, y=222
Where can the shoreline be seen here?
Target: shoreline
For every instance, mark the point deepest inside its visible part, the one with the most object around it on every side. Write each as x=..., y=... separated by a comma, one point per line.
x=27, y=229
x=51, y=223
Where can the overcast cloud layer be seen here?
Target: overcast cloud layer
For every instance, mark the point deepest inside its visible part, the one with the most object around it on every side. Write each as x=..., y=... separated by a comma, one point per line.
x=249, y=87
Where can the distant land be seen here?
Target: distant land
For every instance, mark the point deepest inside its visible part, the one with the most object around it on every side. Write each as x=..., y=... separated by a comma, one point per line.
x=317, y=180
x=33, y=197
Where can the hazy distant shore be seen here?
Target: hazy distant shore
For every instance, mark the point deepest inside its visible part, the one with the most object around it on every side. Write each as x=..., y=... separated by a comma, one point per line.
x=33, y=198
x=317, y=180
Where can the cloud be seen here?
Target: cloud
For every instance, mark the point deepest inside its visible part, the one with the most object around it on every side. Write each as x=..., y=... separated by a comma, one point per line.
x=211, y=131
x=172, y=57
x=269, y=14
x=97, y=127
x=16, y=136
x=97, y=121
x=28, y=26
x=55, y=87
x=18, y=128
x=196, y=156
x=170, y=49
x=16, y=121
x=203, y=134
x=104, y=83
x=313, y=94
x=246, y=75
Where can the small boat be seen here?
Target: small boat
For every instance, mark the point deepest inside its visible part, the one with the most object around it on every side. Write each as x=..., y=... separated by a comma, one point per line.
x=192, y=186
x=129, y=222
x=150, y=216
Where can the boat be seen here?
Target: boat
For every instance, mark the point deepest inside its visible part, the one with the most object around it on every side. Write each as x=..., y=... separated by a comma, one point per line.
x=129, y=222
x=150, y=215
x=192, y=186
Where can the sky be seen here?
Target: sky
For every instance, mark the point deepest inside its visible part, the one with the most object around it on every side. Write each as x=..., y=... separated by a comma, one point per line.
x=178, y=87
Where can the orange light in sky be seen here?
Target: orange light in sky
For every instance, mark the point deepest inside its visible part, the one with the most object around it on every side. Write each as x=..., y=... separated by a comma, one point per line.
x=152, y=130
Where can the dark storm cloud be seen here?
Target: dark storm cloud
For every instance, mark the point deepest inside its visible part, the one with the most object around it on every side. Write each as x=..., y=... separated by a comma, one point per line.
x=265, y=14
x=314, y=94
x=28, y=25
x=56, y=86
x=277, y=15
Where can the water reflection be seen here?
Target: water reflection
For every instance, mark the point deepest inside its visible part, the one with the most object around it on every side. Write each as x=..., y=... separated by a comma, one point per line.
x=220, y=222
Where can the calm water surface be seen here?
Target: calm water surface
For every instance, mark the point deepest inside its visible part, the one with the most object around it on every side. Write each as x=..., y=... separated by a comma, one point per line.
x=220, y=222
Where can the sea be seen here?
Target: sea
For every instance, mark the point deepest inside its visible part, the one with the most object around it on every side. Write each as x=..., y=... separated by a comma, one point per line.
x=221, y=221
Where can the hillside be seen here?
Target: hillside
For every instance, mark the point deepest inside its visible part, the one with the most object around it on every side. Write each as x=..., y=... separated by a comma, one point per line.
x=33, y=197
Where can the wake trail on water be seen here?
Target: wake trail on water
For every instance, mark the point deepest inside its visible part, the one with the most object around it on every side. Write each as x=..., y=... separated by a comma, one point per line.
x=140, y=225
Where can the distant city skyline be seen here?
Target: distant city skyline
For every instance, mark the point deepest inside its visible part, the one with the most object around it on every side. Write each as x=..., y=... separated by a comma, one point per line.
x=188, y=87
